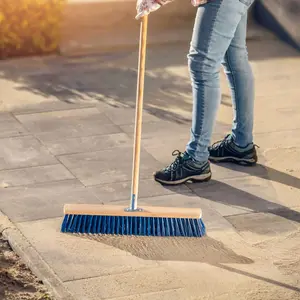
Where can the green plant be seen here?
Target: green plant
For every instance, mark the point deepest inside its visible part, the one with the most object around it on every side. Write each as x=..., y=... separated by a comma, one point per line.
x=29, y=26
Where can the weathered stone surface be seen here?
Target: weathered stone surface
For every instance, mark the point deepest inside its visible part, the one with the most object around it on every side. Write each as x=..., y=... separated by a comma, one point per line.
x=74, y=257
x=147, y=188
x=41, y=201
x=124, y=116
x=107, y=166
x=259, y=227
x=68, y=123
x=20, y=152
x=10, y=126
x=31, y=175
x=86, y=143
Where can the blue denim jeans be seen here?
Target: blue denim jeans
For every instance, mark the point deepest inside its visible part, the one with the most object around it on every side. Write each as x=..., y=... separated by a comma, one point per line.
x=219, y=38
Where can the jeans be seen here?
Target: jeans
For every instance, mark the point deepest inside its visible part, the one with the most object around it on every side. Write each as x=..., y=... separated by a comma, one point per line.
x=219, y=38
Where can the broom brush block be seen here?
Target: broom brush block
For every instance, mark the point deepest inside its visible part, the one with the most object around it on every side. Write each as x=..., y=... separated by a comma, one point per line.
x=147, y=211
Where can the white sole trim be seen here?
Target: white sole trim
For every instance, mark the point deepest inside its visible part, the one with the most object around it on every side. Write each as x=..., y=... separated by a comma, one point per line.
x=199, y=178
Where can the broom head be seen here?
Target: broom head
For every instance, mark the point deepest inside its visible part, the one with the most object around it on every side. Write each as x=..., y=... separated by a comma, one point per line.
x=148, y=221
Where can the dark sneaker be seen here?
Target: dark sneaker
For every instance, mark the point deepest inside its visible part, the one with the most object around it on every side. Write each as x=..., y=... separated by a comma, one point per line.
x=183, y=169
x=227, y=151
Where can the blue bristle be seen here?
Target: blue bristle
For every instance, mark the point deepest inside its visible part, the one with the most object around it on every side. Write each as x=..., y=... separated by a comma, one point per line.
x=89, y=223
x=70, y=222
x=194, y=228
x=64, y=223
x=163, y=231
x=109, y=225
x=82, y=229
x=177, y=230
x=159, y=226
x=126, y=225
x=98, y=230
x=135, y=227
x=95, y=224
x=148, y=220
x=153, y=231
x=166, y=225
x=123, y=225
x=74, y=223
x=181, y=229
x=104, y=224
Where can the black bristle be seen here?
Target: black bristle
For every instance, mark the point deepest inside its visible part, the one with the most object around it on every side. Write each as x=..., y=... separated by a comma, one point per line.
x=122, y=225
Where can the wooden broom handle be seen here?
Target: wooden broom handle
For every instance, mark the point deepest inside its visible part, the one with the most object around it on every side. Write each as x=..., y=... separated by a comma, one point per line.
x=139, y=113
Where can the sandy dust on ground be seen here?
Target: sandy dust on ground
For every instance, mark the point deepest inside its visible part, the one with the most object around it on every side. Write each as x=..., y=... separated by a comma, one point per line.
x=16, y=281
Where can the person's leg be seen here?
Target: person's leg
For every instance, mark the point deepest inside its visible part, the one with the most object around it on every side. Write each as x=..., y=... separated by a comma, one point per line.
x=240, y=77
x=214, y=29
x=238, y=146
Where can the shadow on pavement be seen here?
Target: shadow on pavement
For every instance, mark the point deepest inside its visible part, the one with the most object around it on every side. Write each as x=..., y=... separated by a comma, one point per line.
x=228, y=195
x=269, y=173
x=111, y=78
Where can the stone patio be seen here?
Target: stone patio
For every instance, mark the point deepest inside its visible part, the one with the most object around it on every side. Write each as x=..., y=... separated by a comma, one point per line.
x=66, y=129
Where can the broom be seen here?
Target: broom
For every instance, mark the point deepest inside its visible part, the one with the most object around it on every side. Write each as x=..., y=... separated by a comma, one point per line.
x=119, y=220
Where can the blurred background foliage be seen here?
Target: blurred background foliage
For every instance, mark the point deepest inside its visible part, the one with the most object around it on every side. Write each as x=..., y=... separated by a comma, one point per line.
x=29, y=27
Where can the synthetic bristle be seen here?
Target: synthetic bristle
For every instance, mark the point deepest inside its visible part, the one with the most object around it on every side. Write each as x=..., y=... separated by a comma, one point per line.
x=122, y=225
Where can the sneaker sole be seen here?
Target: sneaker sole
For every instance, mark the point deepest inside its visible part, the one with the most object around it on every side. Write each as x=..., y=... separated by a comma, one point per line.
x=196, y=178
x=240, y=161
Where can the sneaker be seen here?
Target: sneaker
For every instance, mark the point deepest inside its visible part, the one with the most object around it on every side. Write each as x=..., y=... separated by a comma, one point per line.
x=183, y=169
x=227, y=151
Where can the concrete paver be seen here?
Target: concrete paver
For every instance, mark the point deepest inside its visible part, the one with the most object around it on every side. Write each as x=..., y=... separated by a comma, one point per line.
x=10, y=126
x=82, y=257
x=66, y=135
x=147, y=188
x=259, y=227
x=32, y=175
x=125, y=116
x=41, y=201
x=86, y=143
x=258, y=195
x=108, y=166
x=67, y=123
x=26, y=151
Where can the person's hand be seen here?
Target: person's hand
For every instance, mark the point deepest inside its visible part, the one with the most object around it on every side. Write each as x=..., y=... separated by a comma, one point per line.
x=145, y=7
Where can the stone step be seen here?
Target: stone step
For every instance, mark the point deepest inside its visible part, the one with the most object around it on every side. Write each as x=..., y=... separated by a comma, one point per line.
x=96, y=26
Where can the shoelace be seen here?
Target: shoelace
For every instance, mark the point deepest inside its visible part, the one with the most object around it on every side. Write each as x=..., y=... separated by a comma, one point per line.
x=177, y=162
x=217, y=146
x=220, y=143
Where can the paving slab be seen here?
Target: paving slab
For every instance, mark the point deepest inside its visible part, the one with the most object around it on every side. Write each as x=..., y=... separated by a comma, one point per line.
x=32, y=175
x=41, y=201
x=67, y=123
x=10, y=127
x=280, y=139
x=125, y=116
x=259, y=227
x=107, y=166
x=238, y=195
x=86, y=143
x=21, y=152
x=199, y=282
x=83, y=257
x=147, y=188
